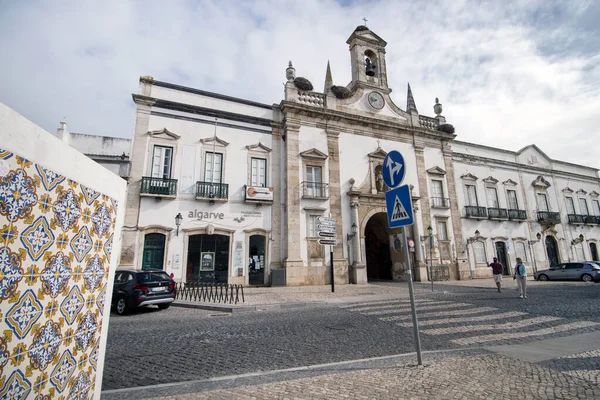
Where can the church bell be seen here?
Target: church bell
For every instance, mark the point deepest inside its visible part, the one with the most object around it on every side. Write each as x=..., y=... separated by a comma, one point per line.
x=370, y=68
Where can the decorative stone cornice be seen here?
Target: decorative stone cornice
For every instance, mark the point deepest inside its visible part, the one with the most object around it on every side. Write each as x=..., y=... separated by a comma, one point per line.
x=469, y=177
x=540, y=182
x=436, y=171
x=509, y=182
x=581, y=192
x=379, y=153
x=211, y=139
x=567, y=190
x=491, y=180
x=164, y=131
x=502, y=238
x=314, y=154
x=155, y=228
x=520, y=239
x=315, y=209
x=593, y=193
x=259, y=147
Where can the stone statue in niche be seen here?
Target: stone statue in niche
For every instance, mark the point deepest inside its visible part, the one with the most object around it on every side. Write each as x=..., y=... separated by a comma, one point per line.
x=379, y=184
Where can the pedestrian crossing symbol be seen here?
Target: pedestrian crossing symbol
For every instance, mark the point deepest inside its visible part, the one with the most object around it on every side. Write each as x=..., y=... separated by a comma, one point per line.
x=399, y=207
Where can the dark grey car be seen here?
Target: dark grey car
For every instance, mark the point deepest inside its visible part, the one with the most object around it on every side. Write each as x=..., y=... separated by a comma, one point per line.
x=587, y=271
x=134, y=288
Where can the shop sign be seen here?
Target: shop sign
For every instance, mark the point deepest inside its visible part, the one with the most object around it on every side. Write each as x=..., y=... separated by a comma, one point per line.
x=200, y=215
x=259, y=193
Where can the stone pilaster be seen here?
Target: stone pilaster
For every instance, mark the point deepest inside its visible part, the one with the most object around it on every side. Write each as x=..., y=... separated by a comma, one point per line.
x=335, y=205
x=358, y=273
x=463, y=268
x=293, y=257
x=138, y=156
x=423, y=192
x=276, y=169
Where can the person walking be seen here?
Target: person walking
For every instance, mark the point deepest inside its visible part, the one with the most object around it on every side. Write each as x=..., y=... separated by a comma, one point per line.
x=521, y=277
x=497, y=272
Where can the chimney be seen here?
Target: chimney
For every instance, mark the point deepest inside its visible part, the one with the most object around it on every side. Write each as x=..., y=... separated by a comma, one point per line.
x=63, y=133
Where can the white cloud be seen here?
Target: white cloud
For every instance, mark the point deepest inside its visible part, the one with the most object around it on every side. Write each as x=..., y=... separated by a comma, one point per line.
x=504, y=71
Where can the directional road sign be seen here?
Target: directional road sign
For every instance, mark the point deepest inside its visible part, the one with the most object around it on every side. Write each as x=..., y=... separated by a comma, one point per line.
x=393, y=169
x=399, y=207
x=328, y=242
x=326, y=234
x=326, y=220
x=325, y=227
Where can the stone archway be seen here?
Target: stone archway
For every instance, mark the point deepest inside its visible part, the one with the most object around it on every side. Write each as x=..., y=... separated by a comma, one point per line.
x=377, y=248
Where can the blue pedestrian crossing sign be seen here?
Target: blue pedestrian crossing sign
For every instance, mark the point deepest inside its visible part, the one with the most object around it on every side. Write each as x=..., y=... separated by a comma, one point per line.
x=399, y=207
x=393, y=169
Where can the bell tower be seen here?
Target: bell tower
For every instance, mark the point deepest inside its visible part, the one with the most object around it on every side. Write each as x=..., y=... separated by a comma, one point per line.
x=367, y=55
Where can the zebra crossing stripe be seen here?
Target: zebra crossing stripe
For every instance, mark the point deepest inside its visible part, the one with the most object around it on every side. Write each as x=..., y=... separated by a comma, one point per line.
x=445, y=321
x=403, y=305
x=426, y=315
x=375, y=304
x=520, y=335
x=524, y=323
x=420, y=308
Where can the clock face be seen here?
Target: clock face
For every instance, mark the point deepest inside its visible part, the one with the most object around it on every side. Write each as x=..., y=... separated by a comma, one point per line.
x=376, y=100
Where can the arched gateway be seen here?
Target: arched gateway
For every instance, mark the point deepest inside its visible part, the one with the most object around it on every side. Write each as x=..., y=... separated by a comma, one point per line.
x=377, y=247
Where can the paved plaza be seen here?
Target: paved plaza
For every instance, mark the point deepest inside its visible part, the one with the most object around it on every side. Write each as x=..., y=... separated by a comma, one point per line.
x=477, y=343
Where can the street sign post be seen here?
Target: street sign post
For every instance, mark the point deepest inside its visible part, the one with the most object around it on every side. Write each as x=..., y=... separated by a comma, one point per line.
x=326, y=231
x=400, y=214
x=327, y=234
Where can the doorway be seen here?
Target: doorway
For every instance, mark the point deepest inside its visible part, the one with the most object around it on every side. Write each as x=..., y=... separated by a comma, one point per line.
x=256, y=260
x=208, y=258
x=502, y=257
x=377, y=247
x=594, y=251
x=154, y=251
x=552, y=250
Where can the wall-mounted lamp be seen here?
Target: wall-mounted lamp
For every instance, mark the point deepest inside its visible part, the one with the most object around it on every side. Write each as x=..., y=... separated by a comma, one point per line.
x=579, y=239
x=354, y=230
x=538, y=236
x=178, y=220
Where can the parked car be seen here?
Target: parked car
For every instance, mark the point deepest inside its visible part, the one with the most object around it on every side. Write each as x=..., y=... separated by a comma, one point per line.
x=587, y=271
x=134, y=288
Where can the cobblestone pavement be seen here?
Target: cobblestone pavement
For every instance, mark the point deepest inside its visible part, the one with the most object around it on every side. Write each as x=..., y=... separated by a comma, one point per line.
x=179, y=345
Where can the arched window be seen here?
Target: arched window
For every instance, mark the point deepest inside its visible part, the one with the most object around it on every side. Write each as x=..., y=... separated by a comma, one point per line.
x=480, y=257
x=520, y=250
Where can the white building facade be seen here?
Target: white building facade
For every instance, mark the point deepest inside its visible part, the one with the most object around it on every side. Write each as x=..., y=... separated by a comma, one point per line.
x=228, y=190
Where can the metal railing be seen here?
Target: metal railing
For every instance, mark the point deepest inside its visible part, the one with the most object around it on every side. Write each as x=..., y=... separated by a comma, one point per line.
x=440, y=202
x=475, y=212
x=210, y=292
x=576, y=218
x=209, y=190
x=317, y=190
x=497, y=213
x=439, y=273
x=548, y=217
x=159, y=186
x=517, y=214
x=590, y=220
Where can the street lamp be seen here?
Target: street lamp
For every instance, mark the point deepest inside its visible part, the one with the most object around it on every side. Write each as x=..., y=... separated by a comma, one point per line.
x=430, y=231
x=531, y=243
x=354, y=230
x=178, y=220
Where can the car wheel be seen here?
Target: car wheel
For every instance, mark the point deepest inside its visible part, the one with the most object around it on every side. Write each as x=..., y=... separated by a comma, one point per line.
x=164, y=306
x=586, y=277
x=121, y=306
x=543, y=278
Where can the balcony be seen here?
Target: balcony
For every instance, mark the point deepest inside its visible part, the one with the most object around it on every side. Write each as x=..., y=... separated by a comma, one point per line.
x=497, y=213
x=475, y=212
x=576, y=218
x=212, y=191
x=590, y=220
x=440, y=202
x=158, y=187
x=315, y=190
x=517, y=215
x=548, y=217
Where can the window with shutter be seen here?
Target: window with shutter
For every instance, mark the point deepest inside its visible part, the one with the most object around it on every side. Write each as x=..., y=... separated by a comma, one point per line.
x=512, y=200
x=161, y=162
x=259, y=172
x=570, y=205
x=492, y=195
x=472, y=195
x=584, y=207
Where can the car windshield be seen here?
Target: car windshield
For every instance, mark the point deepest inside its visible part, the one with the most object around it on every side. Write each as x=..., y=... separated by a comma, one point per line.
x=153, y=276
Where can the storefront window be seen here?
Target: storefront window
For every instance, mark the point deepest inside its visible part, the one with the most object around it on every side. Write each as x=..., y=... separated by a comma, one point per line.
x=208, y=259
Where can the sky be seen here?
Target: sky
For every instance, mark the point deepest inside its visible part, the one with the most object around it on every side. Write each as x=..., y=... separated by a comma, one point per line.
x=508, y=73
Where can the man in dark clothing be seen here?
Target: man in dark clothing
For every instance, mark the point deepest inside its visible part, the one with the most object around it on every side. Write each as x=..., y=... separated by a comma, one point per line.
x=497, y=271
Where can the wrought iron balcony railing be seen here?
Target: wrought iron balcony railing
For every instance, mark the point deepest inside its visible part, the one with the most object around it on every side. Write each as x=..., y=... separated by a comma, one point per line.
x=497, y=213
x=440, y=202
x=212, y=191
x=315, y=190
x=519, y=215
x=475, y=212
x=548, y=217
x=576, y=218
x=590, y=220
x=158, y=186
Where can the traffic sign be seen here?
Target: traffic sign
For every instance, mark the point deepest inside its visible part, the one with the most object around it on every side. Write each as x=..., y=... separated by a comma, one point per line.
x=393, y=169
x=326, y=220
x=399, y=207
x=328, y=242
x=325, y=227
x=326, y=234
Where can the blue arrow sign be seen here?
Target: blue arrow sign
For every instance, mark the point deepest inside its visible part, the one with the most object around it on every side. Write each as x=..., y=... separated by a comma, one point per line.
x=393, y=169
x=399, y=207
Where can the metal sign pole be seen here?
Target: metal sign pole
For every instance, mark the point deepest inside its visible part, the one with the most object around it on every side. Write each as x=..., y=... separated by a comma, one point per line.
x=431, y=258
x=412, y=300
x=332, y=274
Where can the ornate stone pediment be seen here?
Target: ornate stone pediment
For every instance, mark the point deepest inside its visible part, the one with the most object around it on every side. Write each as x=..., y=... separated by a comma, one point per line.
x=211, y=139
x=593, y=193
x=379, y=153
x=581, y=192
x=509, y=182
x=258, y=147
x=164, y=133
x=469, y=177
x=314, y=154
x=500, y=238
x=567, y=190
x=436, y=171
x=491, y=179
x=540, y=182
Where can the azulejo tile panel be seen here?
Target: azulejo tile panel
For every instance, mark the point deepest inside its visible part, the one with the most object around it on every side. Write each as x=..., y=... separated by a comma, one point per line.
x=56, y=238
